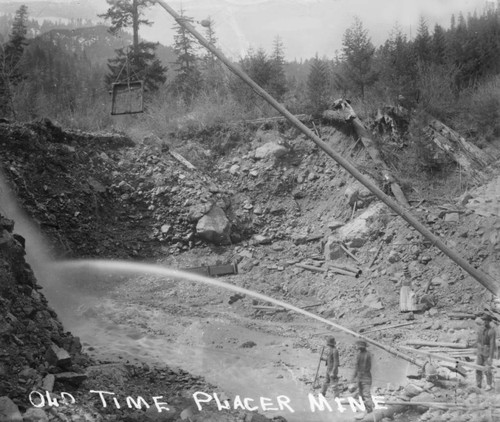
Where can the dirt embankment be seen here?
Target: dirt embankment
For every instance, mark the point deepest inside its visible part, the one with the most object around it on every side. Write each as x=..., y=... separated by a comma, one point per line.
x=45, y=376
x=286, y=203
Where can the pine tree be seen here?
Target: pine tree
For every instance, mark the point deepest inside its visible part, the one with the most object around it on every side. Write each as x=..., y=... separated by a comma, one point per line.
x=422, y=43
x=318, y=84
x=259, y=67
x=11, y=53
x=438, y=45
x=139, y=62
x=358, y=57
x=188, y=81
x=396, y=64
x=277, y=84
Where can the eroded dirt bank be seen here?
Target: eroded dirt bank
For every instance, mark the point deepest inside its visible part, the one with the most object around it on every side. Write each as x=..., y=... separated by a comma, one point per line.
x=103, y=196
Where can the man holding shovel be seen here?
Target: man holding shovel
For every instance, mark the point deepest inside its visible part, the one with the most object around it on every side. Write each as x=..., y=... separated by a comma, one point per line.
x=332, y=367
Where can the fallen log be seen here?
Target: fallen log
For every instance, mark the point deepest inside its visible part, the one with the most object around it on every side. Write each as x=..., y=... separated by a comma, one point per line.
x=269, y=308
x=389, y=327
x=437, y=344
x=311, y=268
x=182, y=160
x=362, y=328
x=447, y=359
x=341, y=271
x=459, y=315
x=347, y=268
x=440, y=405
x=452, y=351
x=276, y=119
x=312, y=306
x=470, y=158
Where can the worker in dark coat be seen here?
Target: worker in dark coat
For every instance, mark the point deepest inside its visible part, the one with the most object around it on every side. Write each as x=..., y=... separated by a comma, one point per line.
x=363, y=375
x=486, y=345
x=332, y=367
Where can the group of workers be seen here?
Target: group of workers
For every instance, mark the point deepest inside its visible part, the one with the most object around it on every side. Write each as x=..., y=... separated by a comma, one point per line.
x=362, y=377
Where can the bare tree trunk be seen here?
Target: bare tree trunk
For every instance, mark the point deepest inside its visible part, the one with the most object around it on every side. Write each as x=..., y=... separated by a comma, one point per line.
x=470, y=158
x=344, y=113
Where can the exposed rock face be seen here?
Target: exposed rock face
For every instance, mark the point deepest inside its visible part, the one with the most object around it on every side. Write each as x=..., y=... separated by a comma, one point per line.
x=215, y=227
x=357, y=232
x=9, y=412
x=33, y=343
x=270, y=150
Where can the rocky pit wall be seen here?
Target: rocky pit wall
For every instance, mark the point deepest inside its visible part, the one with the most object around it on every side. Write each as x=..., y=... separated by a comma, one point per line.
x=286, y=205
x=44, y=376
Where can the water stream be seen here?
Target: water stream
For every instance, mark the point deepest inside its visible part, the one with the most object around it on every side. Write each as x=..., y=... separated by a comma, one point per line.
x=265, y=371
x=269, y=370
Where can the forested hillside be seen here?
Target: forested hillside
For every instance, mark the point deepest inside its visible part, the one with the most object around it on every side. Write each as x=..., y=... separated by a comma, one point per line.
x=66, y=74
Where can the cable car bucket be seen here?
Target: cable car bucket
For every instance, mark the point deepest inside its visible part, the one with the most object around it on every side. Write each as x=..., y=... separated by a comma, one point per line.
x=127, y=98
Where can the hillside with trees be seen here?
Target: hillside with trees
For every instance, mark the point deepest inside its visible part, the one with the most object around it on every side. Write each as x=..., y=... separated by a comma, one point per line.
x=371, y=212
x=66, y=74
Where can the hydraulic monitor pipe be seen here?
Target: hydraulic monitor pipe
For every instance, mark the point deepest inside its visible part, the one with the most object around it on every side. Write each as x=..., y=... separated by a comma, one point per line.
x=486, y=280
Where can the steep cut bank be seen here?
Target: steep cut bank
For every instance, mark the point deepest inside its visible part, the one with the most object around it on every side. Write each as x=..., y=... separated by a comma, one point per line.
x=291, y=210
x=44, y=376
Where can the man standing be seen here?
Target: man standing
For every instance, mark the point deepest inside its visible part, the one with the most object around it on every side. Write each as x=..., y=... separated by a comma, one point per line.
x=332, y=367
x=363, y=375
x=486, y=344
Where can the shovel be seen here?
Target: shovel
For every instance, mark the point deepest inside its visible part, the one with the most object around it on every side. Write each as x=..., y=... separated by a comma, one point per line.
x=314, y=386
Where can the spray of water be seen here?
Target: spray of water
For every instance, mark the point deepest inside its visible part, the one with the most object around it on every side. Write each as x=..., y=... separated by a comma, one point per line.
x=132, y=267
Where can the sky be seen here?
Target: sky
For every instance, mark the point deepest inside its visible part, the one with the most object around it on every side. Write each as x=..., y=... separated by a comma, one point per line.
x=306, y=27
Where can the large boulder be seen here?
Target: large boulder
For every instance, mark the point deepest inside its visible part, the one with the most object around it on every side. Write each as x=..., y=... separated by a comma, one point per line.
x=357, y=232
x=359, y=194
x=215, y=227
x=9, y=412
x=270, y=150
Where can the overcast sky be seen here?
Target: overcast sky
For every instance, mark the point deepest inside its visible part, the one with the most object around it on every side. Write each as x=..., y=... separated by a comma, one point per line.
x=306, y=27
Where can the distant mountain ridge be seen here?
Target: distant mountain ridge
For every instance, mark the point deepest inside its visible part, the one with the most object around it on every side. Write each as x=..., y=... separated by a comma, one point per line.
x=97, y=43
x=53, y=9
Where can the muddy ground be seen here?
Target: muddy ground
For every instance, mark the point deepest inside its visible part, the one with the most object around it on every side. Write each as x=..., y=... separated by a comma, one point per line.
x=104, y=196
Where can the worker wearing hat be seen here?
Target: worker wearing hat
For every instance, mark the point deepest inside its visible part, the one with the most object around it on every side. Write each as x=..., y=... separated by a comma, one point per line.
x=332, y=367
x=363, y=375
x=486, y=344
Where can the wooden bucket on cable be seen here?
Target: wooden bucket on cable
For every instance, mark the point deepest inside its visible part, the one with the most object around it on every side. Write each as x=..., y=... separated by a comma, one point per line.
x=127, y=98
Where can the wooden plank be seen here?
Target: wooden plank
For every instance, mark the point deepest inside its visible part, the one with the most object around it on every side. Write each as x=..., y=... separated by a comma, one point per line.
x=461, y=315
x=447, y=359
x=214, y=270
x=312, y=306
x=349, y=253
x=182, y=160
x=437, y=344
x=223, y=269
x=407, y=300
x=341, y=271
x=354, y=271
x=390, y=326
x=311, y=268
x=269, y=308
